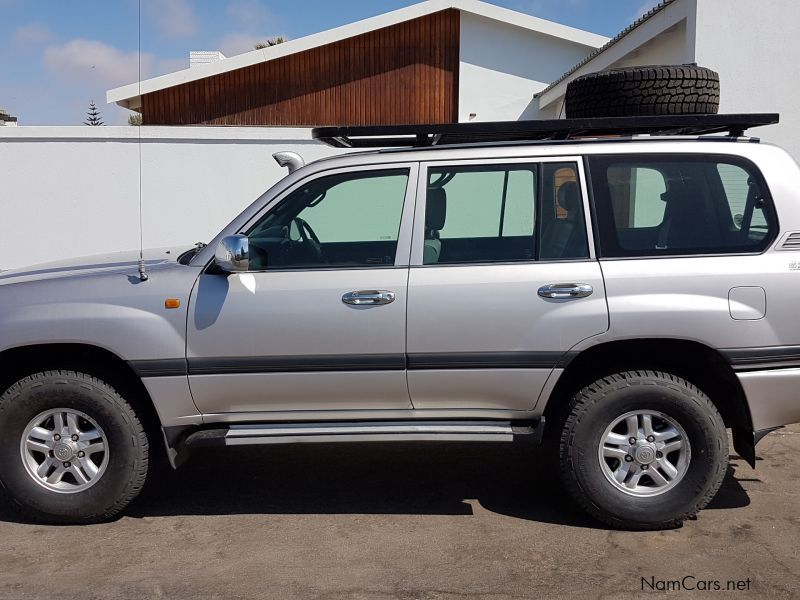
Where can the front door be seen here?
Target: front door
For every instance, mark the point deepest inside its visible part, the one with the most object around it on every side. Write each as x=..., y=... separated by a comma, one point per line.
x=319, y=322
x=503, y=282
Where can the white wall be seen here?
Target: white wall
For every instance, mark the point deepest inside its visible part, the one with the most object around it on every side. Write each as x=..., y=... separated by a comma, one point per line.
x=73, y=191
x=754, y=45
x=668, y=48
x=503, y=66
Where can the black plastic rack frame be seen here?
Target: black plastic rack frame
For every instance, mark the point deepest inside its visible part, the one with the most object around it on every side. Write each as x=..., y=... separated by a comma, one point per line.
x=418, y=136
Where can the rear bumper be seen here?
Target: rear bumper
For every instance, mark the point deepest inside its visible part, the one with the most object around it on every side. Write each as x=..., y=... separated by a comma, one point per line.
x=773, y=396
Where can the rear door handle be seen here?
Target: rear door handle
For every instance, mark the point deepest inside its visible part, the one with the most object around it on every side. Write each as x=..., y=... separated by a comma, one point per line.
x=566, y=290
x=368, y=297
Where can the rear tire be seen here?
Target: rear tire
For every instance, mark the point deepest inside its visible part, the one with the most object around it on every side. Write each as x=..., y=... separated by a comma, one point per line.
x=644, y=91
x=673, y=470
x=45, y=473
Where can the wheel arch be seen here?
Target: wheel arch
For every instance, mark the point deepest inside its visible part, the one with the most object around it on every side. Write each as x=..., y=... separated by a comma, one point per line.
x=22, y=361
x=696, y=362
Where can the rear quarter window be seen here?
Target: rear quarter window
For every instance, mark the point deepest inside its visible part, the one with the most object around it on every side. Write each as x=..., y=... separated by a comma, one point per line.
x=665, y=205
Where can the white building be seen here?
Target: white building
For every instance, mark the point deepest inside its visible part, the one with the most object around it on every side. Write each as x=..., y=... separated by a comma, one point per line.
x=751, y=44
x=471, y=59
x=6, y=120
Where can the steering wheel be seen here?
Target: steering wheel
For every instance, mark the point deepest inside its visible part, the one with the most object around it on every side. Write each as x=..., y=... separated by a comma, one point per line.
x=309, y=239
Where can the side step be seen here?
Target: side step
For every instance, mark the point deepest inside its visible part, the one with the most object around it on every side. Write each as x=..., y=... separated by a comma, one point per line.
x=365, y=431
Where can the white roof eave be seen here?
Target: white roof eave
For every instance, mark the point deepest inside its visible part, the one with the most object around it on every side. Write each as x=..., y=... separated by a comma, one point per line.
x=665, y=18
x=123, y=95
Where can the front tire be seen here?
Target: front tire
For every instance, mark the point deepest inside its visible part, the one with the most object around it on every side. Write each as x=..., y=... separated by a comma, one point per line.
x=643, y=450
x=72, y=450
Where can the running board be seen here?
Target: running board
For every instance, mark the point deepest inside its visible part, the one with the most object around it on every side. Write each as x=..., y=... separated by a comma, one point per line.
x=378, y=431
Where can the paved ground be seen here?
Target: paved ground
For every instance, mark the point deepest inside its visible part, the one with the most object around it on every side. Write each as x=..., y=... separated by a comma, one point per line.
x=400, y=521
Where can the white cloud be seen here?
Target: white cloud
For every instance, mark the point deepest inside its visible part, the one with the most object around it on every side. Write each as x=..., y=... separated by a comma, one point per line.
x=87, y=69
x=253, y=24
x=236, y=43
x=250, y=14
x=174, y=18
x=94, y=62
x=33, y=34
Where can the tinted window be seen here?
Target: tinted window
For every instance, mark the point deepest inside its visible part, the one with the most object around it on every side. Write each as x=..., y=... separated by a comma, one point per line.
x=670, y=205
x=562, y=224
x=492, y=213
x=346, y=220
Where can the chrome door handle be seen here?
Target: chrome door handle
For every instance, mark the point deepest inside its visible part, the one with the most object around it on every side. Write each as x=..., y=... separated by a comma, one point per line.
x=566, y=290
x=369, y=297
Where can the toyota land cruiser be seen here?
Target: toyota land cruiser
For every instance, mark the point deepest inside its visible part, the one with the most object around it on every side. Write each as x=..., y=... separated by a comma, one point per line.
x=625, y=300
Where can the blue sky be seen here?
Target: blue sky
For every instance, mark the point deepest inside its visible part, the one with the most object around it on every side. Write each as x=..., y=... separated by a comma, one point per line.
x=58, y=55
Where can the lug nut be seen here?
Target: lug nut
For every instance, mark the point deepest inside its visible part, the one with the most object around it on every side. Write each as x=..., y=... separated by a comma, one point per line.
x=632, y=441
x=75, y=437
x=67, y=465
x=651, y=438
x=56, y=437
x=645, y=467
x=628, y=458
x=659, y=455
x=81, y=454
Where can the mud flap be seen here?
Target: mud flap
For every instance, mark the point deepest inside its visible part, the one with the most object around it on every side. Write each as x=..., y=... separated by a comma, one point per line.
x=745, y=441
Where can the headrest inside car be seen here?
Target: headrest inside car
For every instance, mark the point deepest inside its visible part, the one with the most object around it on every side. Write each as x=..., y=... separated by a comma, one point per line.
x=436, y=208
x=568, y=197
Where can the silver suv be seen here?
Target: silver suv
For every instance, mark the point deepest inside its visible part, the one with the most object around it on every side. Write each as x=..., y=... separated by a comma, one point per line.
x=625, y=301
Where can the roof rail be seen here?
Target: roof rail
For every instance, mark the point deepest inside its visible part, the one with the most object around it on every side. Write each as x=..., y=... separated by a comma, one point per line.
x=416, y=136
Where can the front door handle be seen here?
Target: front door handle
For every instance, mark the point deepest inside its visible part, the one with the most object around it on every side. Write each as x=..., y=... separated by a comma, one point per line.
x=368, y=297
x=561, y=291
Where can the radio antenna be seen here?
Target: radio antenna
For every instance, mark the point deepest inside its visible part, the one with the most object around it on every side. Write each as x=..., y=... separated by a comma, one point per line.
x=142, y=272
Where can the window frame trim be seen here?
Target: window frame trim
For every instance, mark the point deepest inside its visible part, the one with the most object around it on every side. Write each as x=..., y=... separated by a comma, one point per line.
x=418, y=234
x=404, y=233
x=733, y=159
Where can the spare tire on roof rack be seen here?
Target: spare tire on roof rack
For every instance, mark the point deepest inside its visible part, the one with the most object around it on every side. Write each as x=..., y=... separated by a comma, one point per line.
x=644, y=91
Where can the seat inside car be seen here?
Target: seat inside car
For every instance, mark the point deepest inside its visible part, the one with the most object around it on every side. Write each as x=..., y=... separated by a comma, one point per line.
x=435, y=215
x=564, y=238
x=688, y=221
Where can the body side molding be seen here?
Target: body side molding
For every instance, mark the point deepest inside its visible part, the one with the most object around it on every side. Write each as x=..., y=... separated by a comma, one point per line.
x=351, y=362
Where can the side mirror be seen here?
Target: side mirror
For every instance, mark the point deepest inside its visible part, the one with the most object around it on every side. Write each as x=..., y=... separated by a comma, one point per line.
x=233, y=254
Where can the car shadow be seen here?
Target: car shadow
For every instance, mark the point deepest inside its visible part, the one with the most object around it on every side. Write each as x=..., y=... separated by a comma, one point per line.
x=731, y=494
x=403, y=479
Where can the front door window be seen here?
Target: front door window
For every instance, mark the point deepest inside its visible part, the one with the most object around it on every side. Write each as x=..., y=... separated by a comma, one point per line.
x=338, y=221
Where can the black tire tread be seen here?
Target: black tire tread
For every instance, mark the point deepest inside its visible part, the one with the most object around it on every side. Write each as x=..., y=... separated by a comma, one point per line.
x=594, y=394
x=644, y=91
x=9, y=399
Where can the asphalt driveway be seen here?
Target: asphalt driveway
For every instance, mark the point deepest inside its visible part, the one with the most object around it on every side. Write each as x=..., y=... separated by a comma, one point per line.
x=409, y=522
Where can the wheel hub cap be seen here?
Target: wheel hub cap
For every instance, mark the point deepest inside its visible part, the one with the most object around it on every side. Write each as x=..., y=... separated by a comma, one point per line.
x=65, y=451
x=644, y=453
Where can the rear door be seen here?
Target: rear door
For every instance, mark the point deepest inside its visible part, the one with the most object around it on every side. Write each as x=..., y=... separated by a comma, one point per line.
x=684, y=241
x=503, y=281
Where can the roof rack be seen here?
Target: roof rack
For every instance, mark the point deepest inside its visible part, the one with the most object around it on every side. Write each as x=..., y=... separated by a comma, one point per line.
x=416, y=136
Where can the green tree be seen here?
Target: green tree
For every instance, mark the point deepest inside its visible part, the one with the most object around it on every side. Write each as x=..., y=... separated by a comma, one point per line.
x=271, y=42
x=135, y=120
x=93, y=117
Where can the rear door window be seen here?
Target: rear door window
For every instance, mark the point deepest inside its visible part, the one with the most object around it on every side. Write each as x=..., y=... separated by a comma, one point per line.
x=504, y=213
x=652, y=205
